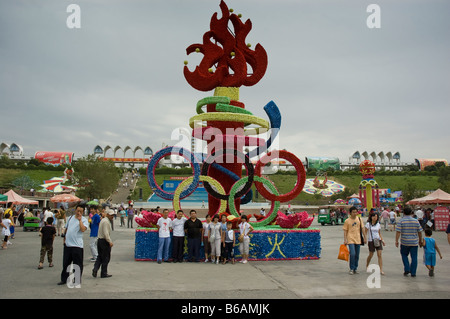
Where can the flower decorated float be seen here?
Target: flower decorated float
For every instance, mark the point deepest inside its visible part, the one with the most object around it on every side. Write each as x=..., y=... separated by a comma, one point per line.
x=227, y=127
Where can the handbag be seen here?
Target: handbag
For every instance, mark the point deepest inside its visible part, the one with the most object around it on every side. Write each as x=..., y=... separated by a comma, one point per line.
x=343, y=253
x=376, y=241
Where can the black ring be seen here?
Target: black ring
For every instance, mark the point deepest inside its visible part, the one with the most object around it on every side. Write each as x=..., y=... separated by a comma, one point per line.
x=236, y=153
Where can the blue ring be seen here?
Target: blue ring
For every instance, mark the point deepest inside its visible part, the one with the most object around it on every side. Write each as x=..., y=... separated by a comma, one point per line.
x=157, y=157
x=274, y=115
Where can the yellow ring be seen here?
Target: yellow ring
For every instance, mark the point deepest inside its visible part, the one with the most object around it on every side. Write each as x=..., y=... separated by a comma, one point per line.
x=209, y=179
x=231, y=117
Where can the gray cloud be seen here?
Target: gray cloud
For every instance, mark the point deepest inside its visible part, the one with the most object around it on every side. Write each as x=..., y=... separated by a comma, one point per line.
x=118, y=80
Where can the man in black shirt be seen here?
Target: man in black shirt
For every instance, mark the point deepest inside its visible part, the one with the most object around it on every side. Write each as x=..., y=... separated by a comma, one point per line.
x=193, y=229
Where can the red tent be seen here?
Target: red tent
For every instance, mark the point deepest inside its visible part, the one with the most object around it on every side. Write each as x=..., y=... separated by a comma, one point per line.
x=18, y=200
x=437, y=197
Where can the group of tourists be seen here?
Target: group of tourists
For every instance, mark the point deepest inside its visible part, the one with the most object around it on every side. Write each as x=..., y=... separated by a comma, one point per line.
x=408, y=237
x=217, y=237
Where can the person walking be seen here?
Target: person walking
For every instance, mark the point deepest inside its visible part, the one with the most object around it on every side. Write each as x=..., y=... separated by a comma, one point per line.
x=130, y=215
x=419, y=215
x=11, y=208
x=409, y=232
x=164, y=225
x=385, y=217
x=6, y=223
x=375, y=241
x=93, y=235
x=193, y=229
x=392, y=220
x=122, y=214
x=47, y=233
x=353, y=237
x=430, y=248
x=60, y=220
x=73, y=244
x=178, y=237
x=104, y=245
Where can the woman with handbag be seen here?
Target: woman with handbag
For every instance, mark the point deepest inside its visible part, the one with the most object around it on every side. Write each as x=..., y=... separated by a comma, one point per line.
x=374, y=239
x=354, y=237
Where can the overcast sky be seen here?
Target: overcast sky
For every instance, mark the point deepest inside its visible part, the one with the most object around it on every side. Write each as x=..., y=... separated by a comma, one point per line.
x=118, y=80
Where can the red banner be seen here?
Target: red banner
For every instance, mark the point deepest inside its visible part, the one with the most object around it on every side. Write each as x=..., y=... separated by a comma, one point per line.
x=54, y=158
x=441, y=218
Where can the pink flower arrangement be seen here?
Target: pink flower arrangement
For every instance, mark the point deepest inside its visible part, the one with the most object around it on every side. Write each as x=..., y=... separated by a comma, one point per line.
x=150, y=219
x=296, y=220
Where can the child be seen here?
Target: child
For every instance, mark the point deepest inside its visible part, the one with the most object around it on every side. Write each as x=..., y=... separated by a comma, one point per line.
x=245, y=228
x=48, y=233
x=228, y=244
x=6, y=223
x=429, y=248
x=205, y=236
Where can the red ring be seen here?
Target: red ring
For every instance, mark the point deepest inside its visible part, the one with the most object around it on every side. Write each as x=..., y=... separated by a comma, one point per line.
x=301, y=176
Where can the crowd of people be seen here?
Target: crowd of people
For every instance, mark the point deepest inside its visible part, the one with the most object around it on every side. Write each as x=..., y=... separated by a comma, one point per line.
x=217, y=238
x=216, y=235
x=408, y=237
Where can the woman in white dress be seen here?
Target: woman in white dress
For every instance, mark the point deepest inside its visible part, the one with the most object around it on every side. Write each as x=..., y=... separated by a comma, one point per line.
x=5, y=224
x=215, y=238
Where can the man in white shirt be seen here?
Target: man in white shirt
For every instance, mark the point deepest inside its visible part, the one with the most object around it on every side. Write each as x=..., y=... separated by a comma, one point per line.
x=164, y=226
x=48, y=213
x=419, y=214
x=178, y=237
x=76, y=225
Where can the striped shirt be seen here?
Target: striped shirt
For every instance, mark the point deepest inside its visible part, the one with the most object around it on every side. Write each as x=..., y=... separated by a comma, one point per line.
x=409, y=228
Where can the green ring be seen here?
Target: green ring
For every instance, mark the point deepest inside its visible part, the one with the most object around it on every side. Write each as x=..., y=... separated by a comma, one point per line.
x=275, y=205
x=220, y=107
x=229, y=117
x=211, y=100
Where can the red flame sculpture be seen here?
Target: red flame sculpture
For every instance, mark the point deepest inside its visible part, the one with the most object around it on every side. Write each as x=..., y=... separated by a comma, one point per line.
x=229, y=55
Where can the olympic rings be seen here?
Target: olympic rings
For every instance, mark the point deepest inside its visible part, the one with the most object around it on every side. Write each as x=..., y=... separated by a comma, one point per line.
x=236, y=153
x=214, y=182
x=273, y=209
x=157, y=157
x=301, y=176
x=227, y=109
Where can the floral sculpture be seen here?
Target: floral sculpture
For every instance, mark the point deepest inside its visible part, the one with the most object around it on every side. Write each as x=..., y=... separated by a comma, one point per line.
x=223, y=122
x=369, y=193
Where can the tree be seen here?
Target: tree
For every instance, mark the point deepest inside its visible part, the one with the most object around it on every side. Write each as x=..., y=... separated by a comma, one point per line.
x=444, y=178
x=96, y=178
x=411, y=191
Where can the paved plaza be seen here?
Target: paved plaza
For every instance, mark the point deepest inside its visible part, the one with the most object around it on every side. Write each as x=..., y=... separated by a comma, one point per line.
x=324, y=278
